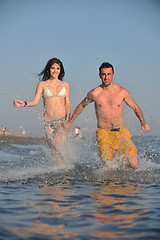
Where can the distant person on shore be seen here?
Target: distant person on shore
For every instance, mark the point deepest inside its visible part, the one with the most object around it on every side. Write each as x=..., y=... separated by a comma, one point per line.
x=78, y=133
x=56, y=98
x=4, y=130
x=23, y=131
x=109, y=100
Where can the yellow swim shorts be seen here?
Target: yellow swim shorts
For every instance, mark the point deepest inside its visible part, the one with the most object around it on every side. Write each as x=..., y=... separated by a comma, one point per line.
x=109, y=141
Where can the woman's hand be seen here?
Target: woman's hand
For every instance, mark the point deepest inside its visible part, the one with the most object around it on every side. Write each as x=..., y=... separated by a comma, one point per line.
x=19, y=103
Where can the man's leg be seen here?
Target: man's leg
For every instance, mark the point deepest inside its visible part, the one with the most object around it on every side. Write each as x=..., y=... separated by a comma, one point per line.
x=105, y=146
x=127, y=147
x=133, y=161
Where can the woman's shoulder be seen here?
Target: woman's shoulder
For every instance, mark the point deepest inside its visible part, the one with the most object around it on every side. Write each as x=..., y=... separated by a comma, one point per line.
x=66, y=84
x=42, y=84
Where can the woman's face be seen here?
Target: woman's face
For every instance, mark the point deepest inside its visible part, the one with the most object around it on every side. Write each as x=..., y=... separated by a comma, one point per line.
x=55, y=71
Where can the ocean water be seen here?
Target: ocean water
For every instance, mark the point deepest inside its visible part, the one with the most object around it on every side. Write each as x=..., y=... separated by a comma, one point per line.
x=80, y=200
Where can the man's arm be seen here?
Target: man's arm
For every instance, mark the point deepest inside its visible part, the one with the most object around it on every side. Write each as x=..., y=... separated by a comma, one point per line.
x=88, y=99
x=131, y=103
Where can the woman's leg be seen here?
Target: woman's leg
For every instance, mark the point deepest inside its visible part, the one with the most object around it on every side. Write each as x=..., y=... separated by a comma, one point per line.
x=54, y=139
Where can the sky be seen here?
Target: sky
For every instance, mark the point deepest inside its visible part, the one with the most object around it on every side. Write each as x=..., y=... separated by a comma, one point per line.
x=82, y=34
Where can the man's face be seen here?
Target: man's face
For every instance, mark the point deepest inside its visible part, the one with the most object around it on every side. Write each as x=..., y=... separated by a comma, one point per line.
x=106, y=76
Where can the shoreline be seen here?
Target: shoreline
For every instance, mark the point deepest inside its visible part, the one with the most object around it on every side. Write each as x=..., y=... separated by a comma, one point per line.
x=27, y=140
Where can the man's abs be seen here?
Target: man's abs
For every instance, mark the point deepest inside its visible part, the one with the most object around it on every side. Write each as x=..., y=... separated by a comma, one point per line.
x=109, y=123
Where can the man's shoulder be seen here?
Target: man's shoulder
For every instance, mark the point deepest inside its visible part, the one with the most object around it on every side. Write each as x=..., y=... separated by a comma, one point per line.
x=96, y=90
x=120, y=88
x=92, y=93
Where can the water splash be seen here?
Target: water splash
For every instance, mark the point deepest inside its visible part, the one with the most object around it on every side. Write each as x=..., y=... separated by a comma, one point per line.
x=81, y=163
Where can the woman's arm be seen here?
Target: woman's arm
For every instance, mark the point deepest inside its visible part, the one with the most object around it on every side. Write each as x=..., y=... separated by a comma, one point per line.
x=68, y=104
x=34, y=102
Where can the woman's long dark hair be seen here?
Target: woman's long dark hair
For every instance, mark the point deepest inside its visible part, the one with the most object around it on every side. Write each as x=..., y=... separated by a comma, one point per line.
x=46, y=71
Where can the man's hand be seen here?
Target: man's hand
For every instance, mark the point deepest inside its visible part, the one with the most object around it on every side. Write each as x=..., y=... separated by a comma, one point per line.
x=146, y=128
x=68, y=125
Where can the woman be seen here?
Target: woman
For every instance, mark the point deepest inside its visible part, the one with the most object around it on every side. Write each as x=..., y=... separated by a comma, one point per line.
x=56, y=100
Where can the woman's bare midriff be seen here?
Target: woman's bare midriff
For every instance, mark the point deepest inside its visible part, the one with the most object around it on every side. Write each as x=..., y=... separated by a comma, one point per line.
x=54, y=109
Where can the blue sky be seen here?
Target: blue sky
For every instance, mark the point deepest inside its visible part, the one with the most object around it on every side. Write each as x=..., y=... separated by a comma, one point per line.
x=83, y=34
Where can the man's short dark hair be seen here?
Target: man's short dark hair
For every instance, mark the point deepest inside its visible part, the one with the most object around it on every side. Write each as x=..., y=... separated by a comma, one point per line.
x=106, y=65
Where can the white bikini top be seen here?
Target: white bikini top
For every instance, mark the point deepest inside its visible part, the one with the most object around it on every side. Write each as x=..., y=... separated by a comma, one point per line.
x=48, y=93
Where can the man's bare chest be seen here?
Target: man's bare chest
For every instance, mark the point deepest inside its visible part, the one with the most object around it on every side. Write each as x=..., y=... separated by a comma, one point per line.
x=109, y=101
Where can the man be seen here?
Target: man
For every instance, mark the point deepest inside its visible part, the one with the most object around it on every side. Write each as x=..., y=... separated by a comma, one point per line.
x=109, y=100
